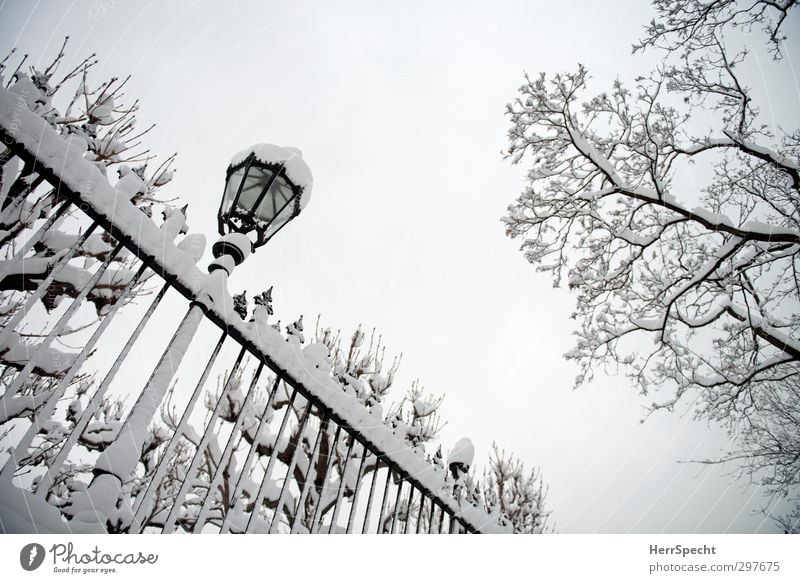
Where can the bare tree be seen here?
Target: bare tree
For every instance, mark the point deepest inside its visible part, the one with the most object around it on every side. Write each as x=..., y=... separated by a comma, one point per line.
x=768, y=435
x=97, y=123
x=691, y=285
x=518, y=494
x=689, y=25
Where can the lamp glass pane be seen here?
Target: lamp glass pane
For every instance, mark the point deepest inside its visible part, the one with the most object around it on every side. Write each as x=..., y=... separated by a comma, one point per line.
x=254, y=183
x=284, y=215
x=230, y=190
x=279, y=194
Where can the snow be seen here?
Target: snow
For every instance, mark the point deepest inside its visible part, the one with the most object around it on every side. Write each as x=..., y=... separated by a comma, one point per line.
x=121, y=457
x=194, y=244
x=759, y=323
x=463, y=452
x=762, y=152
x=49, y=361
x=317, y=355
x=23, y=514
x=293, y=165
x=8, y=170
x=286, y=358
x=585, y=148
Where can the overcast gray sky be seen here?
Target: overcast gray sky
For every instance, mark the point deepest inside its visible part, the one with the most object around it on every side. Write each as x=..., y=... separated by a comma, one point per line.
x=398, y=109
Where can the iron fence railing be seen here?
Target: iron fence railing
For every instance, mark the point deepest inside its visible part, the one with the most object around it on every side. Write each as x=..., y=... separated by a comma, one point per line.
x=174, y=413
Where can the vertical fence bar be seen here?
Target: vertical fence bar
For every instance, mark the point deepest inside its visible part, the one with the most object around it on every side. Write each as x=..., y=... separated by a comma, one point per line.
x=11, y=207
x=422, y=500
x=311, y=463
x=396, y=506
x=35, y=238
x=169, y=523
x=49, y=406
x=32, y=181
x=371, y=493
x=290, y=469
x=385, y=496
x=227, y=453
x=262, y=489
x=96, y=398
x=340, y=490
x=354, y=502
x=324, y=482
x=146, y=497
x=43, y=286
x=408, y=508
x=430, y=518
x=237, y=490
x=441, y=519
x=24, y=374
x=119, y=460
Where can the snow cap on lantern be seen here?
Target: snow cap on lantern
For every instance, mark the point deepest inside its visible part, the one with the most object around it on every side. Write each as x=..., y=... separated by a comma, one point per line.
x=460, y=457
x=266, y=186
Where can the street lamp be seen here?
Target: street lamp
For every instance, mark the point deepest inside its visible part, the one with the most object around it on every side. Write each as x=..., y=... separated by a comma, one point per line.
x=266, y=186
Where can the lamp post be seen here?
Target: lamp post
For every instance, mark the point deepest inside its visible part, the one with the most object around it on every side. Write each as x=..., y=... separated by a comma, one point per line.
x=266, y=186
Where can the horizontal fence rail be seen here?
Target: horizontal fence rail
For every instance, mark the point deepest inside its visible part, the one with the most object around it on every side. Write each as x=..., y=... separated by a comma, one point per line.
x=174, y=413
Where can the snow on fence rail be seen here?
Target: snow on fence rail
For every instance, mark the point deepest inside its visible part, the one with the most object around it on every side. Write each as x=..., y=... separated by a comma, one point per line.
x=116, y=434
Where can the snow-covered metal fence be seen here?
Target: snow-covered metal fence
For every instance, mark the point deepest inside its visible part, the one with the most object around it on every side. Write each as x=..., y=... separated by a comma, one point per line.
x=112, y=419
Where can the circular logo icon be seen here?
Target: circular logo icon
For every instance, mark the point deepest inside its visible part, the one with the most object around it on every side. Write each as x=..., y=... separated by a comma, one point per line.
x=31, y=556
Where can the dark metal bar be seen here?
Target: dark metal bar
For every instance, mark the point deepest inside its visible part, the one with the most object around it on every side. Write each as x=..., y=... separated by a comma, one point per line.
x=408, y=508
x=441, y=519
x=385, y=496
x=28, y=174
x=146, y=498
x=340, y=490
x=354, y=502
x=46, y=411
x=37, y=236
x=248, y=163
x=24, y=374
x=169, y=523
x=251, y=523
x=292, y=464
x=251, y=453
x=311, y=463
x=430, y=518
x=422, y=500
x=11, y=207
x=40, y=290
x=273, y=177
x=96, y=398
x=228, y=452
x=396, y=506
x=320, y=499
x=370, y=495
